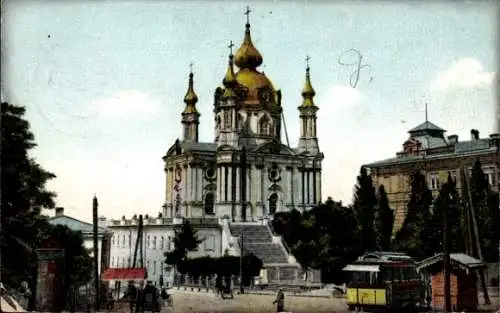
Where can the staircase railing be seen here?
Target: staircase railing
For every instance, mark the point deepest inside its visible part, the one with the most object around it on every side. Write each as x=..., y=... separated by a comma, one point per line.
x=273, y=232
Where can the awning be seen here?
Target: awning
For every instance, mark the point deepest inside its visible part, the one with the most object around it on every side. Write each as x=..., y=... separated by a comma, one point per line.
x=361, y=268
x=124, y=274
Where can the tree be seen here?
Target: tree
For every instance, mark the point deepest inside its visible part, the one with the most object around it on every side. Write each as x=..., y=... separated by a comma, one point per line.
x=24, y=195
x=364, y=204
x=185, y=240
x=412, y=238
x=485, y=202
x=384, y=221
x=447, y=202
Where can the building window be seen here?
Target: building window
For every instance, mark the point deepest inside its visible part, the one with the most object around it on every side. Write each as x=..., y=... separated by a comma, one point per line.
x=273, y=203
x=433, y=181
x=118, y=241
x=209, y=203
x=123, y=241
x=162, y=242
x=227, y=119
x=112, y=261
x=128, y=262
x=210, y=243
x=148, y=242
x=130, y=240
x=147, y=265
x=264, y=126
x=169, y=243
x=491, y=176
x=154, y=267
x=154, y=242
x=113, y=240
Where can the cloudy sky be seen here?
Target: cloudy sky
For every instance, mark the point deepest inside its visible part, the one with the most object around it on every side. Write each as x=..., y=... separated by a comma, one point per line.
x=103, y=82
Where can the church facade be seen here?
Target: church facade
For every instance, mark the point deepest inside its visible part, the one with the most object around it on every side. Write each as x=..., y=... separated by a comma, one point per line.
x=247, y=173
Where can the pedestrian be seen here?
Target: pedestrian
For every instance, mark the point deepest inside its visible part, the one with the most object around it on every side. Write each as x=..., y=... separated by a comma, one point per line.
x=131, y=295
x=25, y=295
x=280, y=301
x=150, y=298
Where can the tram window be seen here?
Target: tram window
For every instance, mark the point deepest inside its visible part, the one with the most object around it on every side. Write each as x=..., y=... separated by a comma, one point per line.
x=396, y=273
x=360, y=277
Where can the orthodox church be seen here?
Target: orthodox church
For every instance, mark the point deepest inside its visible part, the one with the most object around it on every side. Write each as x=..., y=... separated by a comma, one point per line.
x=247, y=173
x=229, y=188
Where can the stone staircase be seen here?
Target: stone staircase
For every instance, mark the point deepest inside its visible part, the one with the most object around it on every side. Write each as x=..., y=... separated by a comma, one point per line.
x=258, y=240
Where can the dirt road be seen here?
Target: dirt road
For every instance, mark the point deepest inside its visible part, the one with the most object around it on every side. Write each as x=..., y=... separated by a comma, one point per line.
x=185, y=302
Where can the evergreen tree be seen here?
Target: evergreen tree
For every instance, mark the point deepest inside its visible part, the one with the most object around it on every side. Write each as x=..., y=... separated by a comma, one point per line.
x=485, y=203
x=447, y=202
x=364, y=205
x=185, y=240
x=413, y=236
x=384, y=221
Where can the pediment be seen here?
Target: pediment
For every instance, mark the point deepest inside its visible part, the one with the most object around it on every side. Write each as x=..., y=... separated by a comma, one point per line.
x=274, y=147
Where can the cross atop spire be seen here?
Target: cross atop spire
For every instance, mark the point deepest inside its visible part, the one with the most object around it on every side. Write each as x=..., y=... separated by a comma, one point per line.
x=231, y=45
x=247, y=13
x=426, y=113
x=307, y=61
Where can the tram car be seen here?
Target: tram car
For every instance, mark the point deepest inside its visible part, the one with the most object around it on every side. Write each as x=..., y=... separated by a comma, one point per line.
x=383, y=281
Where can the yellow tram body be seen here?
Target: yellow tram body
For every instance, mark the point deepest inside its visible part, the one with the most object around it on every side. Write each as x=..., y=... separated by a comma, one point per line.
x=383, y=281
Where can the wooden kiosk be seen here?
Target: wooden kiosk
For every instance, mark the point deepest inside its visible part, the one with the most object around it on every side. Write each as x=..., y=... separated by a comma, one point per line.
x=463, y=286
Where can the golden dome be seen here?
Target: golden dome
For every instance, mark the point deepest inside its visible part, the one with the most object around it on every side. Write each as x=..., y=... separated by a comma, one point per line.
x=191, y=98
x=229, y=80
x=253, y=81
x=247, y=56
x=308, y=92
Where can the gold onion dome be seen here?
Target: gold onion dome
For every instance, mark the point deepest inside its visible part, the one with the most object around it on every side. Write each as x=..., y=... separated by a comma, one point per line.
x=191, y=98
x=229, y=80
x=308, y=92
x=247, y=56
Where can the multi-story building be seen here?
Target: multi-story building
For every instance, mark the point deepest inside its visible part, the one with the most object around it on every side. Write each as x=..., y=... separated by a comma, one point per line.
x=429, y=151
x=233, y=185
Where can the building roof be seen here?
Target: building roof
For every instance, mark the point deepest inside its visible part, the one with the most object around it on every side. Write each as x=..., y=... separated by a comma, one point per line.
x=76, y=225
x=460, y=150
x=426, y=126
x=461, y=260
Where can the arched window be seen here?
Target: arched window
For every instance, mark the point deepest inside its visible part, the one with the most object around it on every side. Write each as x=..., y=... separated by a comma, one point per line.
x=273, y=203
x=264, y=126
x=241, y=123
x=162, y=242
x=209, y=203
x=123, y=241
x=154, y=242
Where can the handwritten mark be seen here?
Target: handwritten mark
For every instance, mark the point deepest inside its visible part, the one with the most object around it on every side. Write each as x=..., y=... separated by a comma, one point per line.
x=358, y=66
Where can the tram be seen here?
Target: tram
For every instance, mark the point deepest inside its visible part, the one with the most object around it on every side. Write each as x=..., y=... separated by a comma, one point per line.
x=383, y=281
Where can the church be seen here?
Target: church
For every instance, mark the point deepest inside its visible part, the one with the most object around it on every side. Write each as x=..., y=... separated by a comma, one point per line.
x=247, y=172
x=230, y=188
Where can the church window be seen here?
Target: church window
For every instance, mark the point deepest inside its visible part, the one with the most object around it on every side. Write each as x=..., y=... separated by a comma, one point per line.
x=209, y=203
x=227, y=119
x=453, y=175
x=154, y=242
x=491, y=176
x=264, y=126
x=154, y=267
x=240, y=122
x=273, y=203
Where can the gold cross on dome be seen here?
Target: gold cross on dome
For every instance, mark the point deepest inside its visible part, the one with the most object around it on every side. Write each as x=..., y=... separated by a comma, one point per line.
x=307, y=60
x=191, y=67
x=247, y=13
x=231, y=45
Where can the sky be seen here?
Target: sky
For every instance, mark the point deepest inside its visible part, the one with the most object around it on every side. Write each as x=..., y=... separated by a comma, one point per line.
x=104, y=81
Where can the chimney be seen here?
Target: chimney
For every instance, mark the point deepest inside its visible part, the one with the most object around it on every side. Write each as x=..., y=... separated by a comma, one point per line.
x=59, y=211
x=453, y=139
x=474, y=134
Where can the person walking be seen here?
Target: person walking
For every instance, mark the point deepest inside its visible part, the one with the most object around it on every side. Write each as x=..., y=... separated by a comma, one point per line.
x=131, y=295
x=280, y=301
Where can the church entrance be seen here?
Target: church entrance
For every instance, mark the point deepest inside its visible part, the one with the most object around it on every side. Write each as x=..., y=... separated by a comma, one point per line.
x=273, y=203
x=209, y=203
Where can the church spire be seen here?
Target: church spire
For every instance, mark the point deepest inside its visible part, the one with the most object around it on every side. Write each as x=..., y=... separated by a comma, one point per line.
x=191, y=98
x=190, y=115
x=308, y=92
x=247, y=56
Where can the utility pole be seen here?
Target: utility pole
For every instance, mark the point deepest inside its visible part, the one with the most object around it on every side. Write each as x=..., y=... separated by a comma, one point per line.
x=241, y=263
x=446, y=259
x=95, y=205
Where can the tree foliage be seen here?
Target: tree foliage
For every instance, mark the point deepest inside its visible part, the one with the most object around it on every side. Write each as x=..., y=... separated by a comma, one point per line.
x=323, y=238
x=485, y=202
x=413, y=236
x=384, y=221
x=24, y=195
x=185, y=240
x=447, y=202
x=364, y=205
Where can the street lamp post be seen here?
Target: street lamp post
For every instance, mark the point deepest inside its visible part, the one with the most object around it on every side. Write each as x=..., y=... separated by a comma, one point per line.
x=241, y=264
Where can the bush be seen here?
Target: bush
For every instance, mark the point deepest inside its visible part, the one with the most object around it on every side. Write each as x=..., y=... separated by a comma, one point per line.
x=224, y=266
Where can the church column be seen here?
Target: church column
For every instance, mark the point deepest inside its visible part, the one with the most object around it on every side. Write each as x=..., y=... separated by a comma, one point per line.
x=289, y=186
x=229, y=183
x=189, y=183
x=185, y=186
x=223, y=184
x=219, y=184
x=318, y=185
x=238, y=180
x=250, y=213
x=295, y=183
x=200, y=184
x=301, y=186
x=262, y=191
x=311, y=187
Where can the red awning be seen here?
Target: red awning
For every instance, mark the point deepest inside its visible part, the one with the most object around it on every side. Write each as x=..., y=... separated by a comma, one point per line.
x=124, y=274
